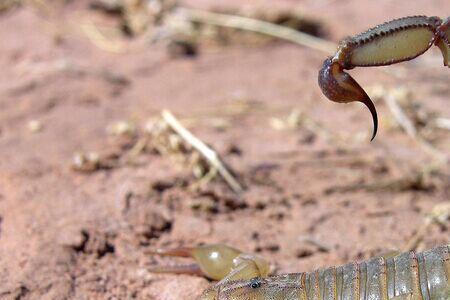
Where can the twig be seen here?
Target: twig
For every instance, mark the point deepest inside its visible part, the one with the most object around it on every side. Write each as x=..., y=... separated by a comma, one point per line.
x=415, y=182
x=414, y=242
x=438, y=215
x=442, y=123
x=321, y=246
x=400, y=116
x=210, y=155
x=263, y=27
x=100, y=40
x=408, y=126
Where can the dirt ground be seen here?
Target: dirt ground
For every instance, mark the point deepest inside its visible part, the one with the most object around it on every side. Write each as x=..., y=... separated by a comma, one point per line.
x=317, y=192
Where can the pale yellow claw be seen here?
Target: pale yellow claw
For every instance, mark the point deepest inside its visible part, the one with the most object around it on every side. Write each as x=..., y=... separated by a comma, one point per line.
x=217, y=262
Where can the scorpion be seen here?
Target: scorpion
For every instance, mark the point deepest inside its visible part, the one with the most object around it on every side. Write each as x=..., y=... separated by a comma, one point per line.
x=242, y=276
x=406, y=276
x=386, y=44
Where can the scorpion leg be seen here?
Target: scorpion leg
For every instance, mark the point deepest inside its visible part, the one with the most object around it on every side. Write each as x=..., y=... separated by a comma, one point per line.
x=389, y=43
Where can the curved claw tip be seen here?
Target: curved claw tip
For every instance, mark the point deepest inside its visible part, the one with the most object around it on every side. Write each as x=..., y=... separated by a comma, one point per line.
x=373, y=111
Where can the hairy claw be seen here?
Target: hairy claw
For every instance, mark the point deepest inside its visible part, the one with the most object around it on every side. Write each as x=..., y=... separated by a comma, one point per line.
x=388, y=43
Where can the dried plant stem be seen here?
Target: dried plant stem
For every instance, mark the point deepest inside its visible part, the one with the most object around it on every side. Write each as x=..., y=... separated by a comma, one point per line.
x=408, y=126
x=417, y=238
x=439, y=215
x=205, y=179
x=442, y=123
x=209, y=154
x=263, y=27
x=400, y=116
x=316, y=242
x=100, y=40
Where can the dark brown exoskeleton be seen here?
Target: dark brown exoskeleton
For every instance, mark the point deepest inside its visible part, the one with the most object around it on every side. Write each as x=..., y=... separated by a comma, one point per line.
x=389, y=43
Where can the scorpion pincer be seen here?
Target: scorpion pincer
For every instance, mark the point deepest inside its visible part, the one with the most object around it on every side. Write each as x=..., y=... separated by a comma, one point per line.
x=386, y=44
x=407, y=276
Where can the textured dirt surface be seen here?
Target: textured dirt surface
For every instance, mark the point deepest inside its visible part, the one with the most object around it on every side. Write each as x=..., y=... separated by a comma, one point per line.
x=84, y=235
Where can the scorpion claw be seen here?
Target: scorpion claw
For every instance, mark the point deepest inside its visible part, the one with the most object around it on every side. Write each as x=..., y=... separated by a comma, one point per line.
x=373, y=111
x=192, y=269
x=212, y=261
x=339, y=86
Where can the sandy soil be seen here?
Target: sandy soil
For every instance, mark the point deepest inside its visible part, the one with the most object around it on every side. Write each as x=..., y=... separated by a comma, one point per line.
x=72, y=235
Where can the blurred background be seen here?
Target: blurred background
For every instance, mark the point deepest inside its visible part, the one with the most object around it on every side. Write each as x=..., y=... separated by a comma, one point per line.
x=130, y=125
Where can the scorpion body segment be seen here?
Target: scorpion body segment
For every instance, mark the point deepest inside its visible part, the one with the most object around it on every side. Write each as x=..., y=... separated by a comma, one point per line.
x=388, y=43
